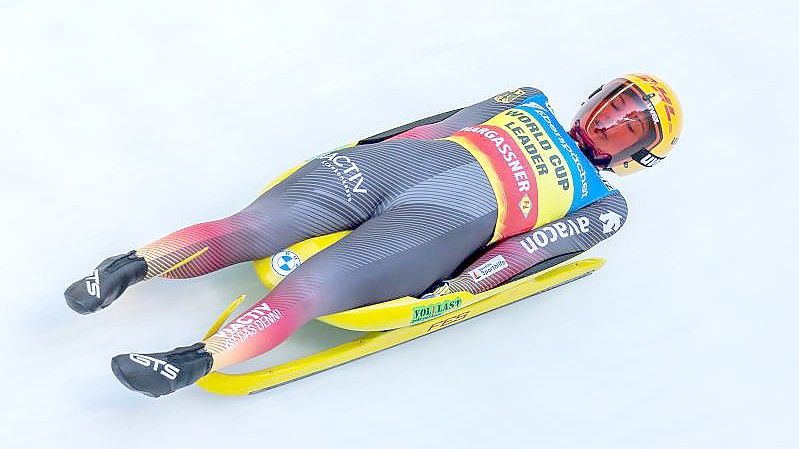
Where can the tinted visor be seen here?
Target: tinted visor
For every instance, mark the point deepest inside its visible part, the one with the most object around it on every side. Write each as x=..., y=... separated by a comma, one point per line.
x=615, y=123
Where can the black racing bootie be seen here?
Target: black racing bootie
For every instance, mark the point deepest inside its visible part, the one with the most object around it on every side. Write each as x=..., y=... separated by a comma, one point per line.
x=106, y=283
x=163, y=372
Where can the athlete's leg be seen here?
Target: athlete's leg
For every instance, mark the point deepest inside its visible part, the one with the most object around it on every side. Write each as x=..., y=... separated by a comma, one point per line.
x=397, y=254
x=308, y=203
x=423, y=237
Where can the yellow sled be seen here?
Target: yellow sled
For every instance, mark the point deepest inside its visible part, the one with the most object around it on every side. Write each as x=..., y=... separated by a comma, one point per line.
x=389, y=323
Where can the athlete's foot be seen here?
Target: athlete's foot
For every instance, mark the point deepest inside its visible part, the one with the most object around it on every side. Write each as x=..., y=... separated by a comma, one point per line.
x=163, y=372
x=106, y=283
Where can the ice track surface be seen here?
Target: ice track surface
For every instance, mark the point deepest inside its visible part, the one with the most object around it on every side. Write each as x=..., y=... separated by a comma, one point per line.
x=124, y=121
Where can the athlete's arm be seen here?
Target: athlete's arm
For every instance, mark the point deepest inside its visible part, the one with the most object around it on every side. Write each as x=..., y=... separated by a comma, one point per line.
x=445, y=123
x=543, y=247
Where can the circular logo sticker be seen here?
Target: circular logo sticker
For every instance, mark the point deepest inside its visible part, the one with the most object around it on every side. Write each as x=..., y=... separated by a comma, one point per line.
x=285, y=262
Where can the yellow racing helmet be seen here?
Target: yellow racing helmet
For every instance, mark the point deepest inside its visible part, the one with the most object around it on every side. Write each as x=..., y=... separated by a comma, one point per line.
x=629, y=123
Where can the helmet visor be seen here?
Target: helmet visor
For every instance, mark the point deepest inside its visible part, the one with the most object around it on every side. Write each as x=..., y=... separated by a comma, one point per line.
x=617, y=122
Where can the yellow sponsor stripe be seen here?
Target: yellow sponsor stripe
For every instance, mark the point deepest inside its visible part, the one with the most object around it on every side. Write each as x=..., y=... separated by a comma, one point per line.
x=493, y=178
x=185, y=261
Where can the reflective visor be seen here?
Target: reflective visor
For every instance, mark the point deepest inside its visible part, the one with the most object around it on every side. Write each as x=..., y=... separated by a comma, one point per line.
x=616, y=123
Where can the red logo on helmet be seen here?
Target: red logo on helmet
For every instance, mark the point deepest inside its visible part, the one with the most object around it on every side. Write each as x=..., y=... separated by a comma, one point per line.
x=664, y=95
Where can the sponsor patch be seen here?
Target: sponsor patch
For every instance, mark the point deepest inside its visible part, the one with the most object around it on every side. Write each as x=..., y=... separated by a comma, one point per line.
x=257, y=319
x=526, y=205
x=545, y=235
x=509, y=96
x=93, y=284
x=285, y=262
x=347, y=171
x=167, y=370
x=490, y=267
x=423, y=313
x=611, y=222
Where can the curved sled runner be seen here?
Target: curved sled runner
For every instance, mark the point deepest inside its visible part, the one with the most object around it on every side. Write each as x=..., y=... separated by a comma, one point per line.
x=391, y=323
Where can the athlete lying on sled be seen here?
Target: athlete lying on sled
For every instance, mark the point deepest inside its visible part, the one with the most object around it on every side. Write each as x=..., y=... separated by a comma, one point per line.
x=481, y=196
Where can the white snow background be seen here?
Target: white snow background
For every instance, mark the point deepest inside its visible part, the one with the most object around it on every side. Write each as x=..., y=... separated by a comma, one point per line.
x=122, y=121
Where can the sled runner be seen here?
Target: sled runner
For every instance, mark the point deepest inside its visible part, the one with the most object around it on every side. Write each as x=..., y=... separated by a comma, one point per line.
x=389, y=324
